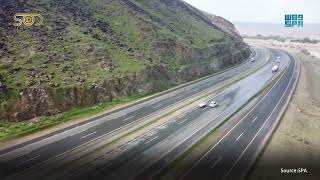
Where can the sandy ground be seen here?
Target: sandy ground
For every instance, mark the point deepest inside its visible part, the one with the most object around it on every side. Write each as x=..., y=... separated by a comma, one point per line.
x=296, y=141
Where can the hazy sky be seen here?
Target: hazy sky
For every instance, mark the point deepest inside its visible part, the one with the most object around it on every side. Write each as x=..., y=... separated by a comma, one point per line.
x=260, y=10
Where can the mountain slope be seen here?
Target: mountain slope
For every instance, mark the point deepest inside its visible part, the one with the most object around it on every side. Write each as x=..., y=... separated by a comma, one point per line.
x=91, y=51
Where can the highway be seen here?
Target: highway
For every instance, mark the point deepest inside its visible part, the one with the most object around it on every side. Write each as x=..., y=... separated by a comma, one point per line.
x=133, y=156
x=150, y=161
x=232, y=155
x=56, y=156
x=28, y=154
x=157, y=141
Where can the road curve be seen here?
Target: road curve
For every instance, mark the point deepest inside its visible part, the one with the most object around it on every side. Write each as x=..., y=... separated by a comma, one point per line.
x=232, y=156
x=39, y=150
x=243, y=91
x=138, y=153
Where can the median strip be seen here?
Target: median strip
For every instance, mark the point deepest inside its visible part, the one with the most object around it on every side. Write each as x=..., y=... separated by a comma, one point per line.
x=109, y=139
x=193, y=149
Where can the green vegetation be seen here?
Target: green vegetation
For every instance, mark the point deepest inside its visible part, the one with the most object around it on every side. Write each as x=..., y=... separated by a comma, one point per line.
x=185, y=27
x=207, y=139
x=107, y=49
x=12, y=130
x=101, y=40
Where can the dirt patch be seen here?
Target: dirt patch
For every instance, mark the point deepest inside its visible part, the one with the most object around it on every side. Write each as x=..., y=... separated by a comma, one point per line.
x=295, y=143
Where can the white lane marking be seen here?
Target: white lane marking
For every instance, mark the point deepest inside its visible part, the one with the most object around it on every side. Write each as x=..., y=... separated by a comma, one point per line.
x=254, y=119
x=115, y=130
x=86, y=143
x=92, y=122
x=217, y=161
x=128, y=118
x=262, y=124
x=157, y=106
x=59, y=155
x=198, y=131
x=183, y=121
x=23, y=162
x=88, y=135
x=239, y=136
x=230, y=130
x=151, y=140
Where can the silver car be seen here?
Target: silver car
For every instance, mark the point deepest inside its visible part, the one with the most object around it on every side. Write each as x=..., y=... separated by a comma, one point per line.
x=202, y=105
x=213, y=104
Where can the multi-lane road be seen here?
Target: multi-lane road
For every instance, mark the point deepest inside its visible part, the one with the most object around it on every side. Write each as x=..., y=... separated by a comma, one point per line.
x=233, y=154
x=82, y=151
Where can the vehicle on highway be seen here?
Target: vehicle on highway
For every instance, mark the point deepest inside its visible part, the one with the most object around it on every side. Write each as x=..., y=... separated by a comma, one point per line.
x=252, y=60
x=202, y=105
x=213, y=104
x=275, y=68
x=278, y=59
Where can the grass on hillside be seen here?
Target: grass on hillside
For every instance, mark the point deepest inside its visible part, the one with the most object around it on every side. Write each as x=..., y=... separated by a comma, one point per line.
x=187, y=28
x=17, y=129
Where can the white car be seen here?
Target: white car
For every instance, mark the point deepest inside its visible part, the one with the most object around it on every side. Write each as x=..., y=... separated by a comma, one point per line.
x=252, y=60
x=202, y=105
x=275, y=68
x=213, y=104
x=278, y=57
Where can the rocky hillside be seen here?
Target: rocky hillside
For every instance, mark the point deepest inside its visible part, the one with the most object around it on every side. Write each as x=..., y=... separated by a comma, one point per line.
x=91, y=51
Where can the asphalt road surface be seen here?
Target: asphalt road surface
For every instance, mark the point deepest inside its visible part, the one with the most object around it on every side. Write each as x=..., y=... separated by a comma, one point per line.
x=231, y=157
x=146, y=151
x=150, y=161
x=39, y=150
x=144, y=156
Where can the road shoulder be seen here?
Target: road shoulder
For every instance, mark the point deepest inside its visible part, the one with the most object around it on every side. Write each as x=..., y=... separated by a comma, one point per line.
x=295, y=143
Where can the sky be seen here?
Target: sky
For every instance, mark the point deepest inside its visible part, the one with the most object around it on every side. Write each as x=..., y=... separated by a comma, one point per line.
x=265, y=11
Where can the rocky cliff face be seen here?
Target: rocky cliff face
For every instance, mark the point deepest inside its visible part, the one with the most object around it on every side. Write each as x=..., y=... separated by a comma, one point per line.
x=88, y=52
